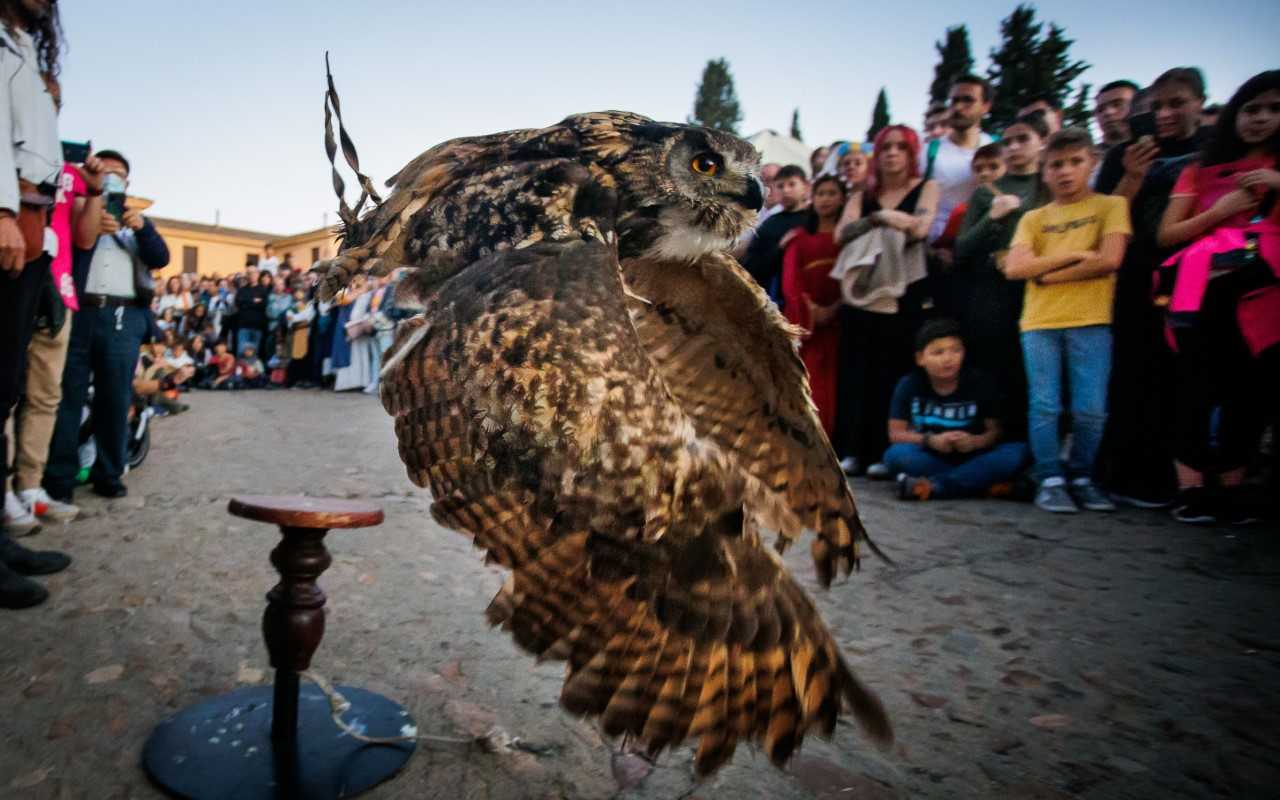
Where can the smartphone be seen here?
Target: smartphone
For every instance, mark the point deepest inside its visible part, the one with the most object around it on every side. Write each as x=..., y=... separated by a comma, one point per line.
x=114, y=188
x=76, y=152
x=115, y=204
x=1142, y=125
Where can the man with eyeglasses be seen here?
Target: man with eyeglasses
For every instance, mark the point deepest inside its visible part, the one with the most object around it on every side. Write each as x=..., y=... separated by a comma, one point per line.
x=951, y=162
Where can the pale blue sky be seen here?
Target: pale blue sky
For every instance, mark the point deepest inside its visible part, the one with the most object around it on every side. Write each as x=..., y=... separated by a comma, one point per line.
x=220, y=104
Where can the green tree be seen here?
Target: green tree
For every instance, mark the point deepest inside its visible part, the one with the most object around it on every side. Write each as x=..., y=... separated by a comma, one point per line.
x=795, y=126
x=1029, y=64
x=954, y=60
x=880, y=116
x=716, y=103
x=1080, y=112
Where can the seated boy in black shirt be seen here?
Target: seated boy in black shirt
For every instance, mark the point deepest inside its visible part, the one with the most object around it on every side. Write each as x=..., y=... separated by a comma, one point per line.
x=944, y=424
x=764, y=257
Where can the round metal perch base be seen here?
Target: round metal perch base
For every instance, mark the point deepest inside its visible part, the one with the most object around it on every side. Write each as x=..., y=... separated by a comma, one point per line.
x=222, y=748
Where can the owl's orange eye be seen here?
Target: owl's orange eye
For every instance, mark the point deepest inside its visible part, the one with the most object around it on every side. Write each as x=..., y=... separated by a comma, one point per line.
x=708, y=164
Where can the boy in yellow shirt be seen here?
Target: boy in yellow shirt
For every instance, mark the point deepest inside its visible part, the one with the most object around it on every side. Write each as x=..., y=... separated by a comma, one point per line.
x=1068, y=252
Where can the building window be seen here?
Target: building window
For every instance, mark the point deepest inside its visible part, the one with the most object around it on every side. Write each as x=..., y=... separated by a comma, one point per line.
x=251, y=260
x=315, y=254
x=190, y=258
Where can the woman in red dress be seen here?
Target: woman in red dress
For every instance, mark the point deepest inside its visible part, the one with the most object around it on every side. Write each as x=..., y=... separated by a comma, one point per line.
x=811, y=296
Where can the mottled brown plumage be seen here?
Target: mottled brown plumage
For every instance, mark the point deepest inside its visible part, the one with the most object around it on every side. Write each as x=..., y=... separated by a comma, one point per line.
x=613, y=410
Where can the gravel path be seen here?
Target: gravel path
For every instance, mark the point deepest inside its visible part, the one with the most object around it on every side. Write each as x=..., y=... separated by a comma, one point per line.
x=1021, y=656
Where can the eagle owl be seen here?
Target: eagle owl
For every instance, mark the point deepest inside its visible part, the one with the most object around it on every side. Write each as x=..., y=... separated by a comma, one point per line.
x=607, y=404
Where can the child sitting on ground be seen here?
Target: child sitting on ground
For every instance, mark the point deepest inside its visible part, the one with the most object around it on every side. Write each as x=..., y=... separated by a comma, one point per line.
x=249, y=370
x=944, y=424
x=225, y=364
x=154, y=366
x=178, y=357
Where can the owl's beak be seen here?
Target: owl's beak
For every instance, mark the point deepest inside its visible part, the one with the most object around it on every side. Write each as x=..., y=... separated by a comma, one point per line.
x=754, y=198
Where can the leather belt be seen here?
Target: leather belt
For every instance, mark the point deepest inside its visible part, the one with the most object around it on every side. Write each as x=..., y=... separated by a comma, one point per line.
x=108, y=301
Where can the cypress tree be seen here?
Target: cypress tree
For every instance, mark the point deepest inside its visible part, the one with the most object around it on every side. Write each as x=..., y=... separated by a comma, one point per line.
x=954, y=59
x=716, y=103
x=795, y=126
x=1079, y=113
x=880, y=116
x=1029, y=64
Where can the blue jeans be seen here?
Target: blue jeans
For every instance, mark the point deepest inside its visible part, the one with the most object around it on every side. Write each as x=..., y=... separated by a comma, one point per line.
x=104, y=344
x=1084, y=354
x=958, y=478
x=246, y=337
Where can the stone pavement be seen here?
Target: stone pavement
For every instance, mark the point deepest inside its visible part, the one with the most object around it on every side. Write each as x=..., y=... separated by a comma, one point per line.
x=1020, y=655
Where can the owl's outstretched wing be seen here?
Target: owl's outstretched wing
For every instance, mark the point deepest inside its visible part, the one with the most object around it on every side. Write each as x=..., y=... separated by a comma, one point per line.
x=525, y=400
x=730, y=360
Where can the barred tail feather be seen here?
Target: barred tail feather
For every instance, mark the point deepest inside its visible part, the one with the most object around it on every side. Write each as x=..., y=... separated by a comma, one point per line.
x=646, y=679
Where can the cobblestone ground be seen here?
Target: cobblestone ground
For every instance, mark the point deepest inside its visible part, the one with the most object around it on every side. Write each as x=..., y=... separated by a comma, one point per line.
x=1021, y=656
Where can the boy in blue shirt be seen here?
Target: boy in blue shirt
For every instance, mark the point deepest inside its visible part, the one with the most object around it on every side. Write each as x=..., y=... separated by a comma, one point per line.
x=944, y=424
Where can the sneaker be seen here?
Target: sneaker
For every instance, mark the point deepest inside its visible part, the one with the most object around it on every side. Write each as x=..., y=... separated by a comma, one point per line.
x=879, y=472
x=1090, y=496
x=42, y=505
x=18, y=519
x=850, y=466
x=1195, y=506
x=1053, y=496
x=910, y=488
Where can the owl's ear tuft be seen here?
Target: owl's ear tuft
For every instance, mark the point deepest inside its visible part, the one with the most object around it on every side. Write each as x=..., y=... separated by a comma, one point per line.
x=652, y=131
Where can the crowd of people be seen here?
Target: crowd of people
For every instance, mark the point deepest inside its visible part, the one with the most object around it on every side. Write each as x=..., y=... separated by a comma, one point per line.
x=1037, y=313
x=1032, y=313
x=971, y=289
x=265, y=328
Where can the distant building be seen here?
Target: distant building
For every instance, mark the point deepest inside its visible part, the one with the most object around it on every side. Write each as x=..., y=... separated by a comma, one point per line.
x=216, y=250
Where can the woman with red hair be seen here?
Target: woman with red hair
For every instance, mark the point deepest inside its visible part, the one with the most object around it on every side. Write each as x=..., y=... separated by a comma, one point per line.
x=876, y=348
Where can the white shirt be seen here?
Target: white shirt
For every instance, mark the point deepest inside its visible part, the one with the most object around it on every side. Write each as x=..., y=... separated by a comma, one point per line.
x=28, y=114
x=269, y=264
x=953, y=172
x=178, y=302
x=111, y=269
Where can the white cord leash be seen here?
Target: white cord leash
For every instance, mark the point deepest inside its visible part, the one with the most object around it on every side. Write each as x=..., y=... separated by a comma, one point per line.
x=493, y=741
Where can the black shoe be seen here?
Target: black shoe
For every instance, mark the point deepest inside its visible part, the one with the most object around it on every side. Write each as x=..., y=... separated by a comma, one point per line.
x=1195, y=506
x=31, y=562
x=60, y=494
x=1239, y=509
x=19, y=592
x=111, y=489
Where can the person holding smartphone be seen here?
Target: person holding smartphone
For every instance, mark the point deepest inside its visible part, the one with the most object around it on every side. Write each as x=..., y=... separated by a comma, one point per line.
x=114, y=289
x=1136, y=463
